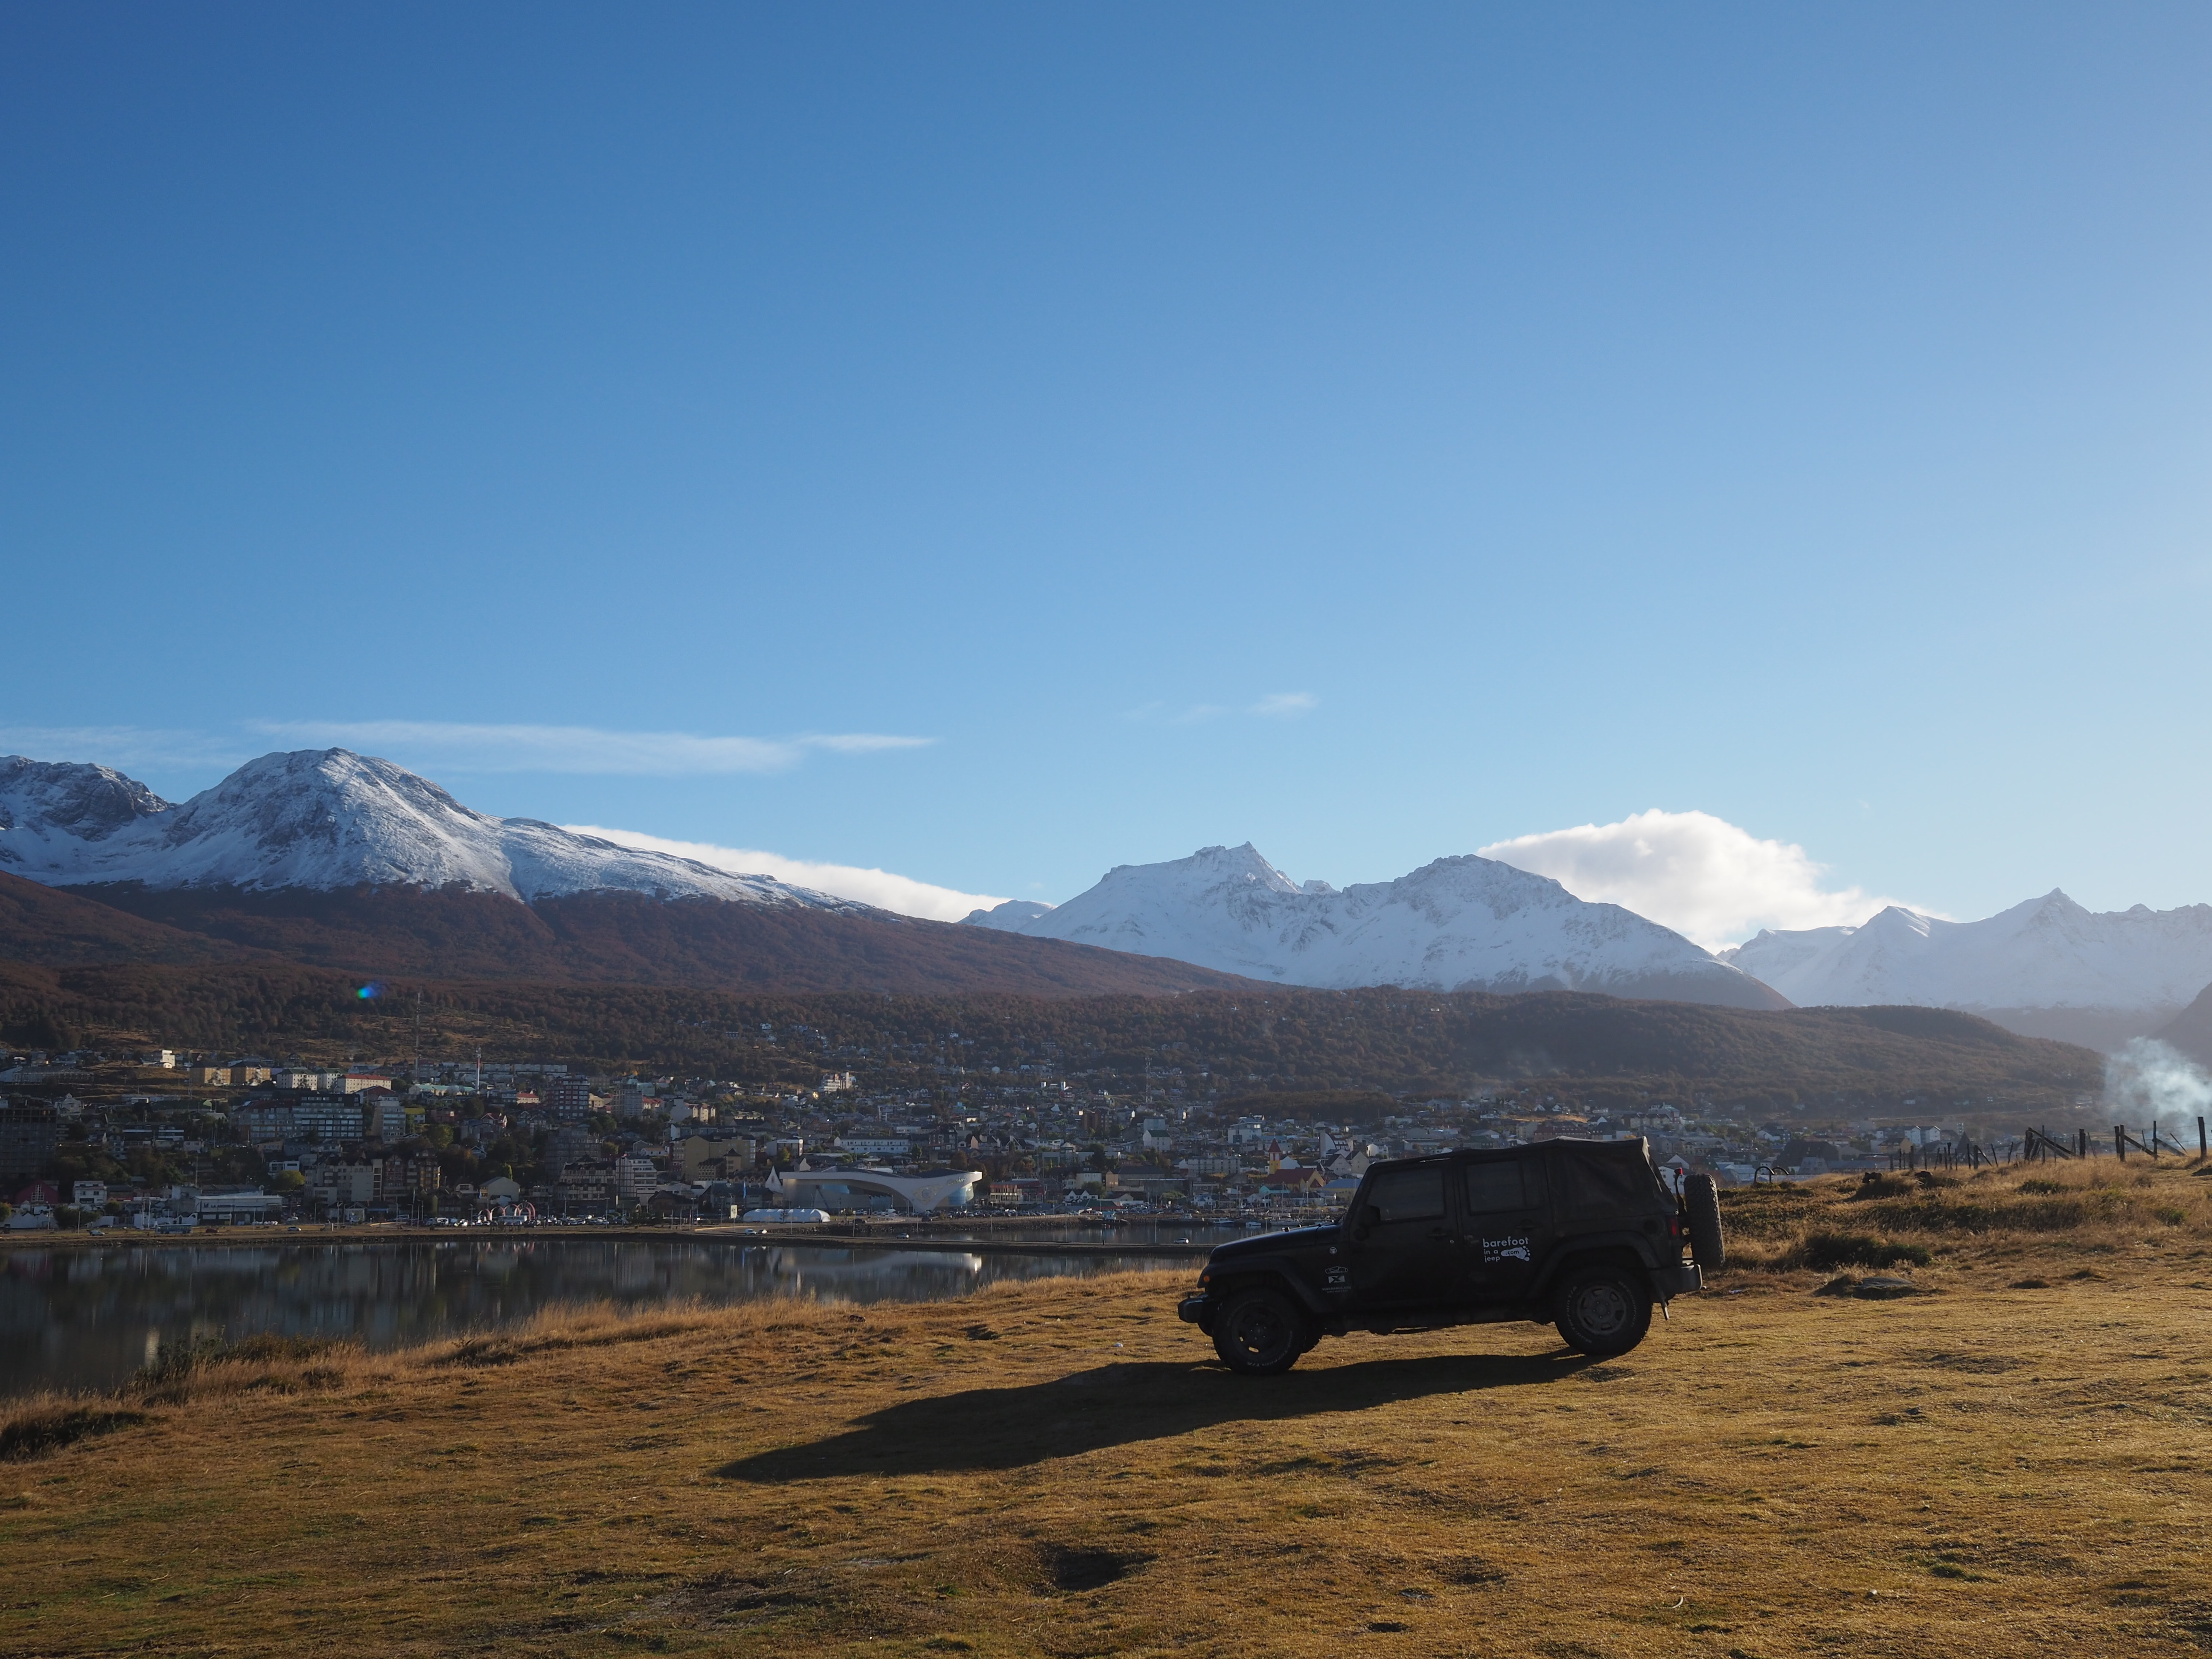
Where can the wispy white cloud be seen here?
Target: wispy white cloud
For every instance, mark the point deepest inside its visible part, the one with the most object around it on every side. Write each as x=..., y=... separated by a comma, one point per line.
x=860, y=743
x=1698, y=874
x=1276, y=705
x=580, y=749
x=123, y=746
x=880, y=888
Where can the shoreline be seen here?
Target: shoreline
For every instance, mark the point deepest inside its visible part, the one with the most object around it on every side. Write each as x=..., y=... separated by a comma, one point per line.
x=807, y=1236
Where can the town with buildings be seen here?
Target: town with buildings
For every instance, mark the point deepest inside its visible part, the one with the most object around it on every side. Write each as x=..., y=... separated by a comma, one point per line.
x=167, y=1141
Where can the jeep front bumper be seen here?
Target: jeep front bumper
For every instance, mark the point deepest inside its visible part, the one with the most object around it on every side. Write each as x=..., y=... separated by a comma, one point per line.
x=1192, y=1311
x=1668, y=1283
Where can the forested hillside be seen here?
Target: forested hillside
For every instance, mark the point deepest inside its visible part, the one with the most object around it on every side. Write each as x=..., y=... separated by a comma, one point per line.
x=1222, y=1043
x=597, y=937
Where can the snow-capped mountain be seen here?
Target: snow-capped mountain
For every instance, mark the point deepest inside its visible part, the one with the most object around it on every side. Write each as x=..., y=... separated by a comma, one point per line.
x=325, y=818
x=1010, y=917
x=2049, y=968
x=53, y=813
x=1459, y=924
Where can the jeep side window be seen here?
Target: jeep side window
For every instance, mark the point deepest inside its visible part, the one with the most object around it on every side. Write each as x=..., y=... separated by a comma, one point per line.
x=1607, y=1183
x=1515, y=1184
x=1408, y=1194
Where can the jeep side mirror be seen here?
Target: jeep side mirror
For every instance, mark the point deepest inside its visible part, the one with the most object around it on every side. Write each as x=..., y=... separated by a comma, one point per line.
x=1369, y=1215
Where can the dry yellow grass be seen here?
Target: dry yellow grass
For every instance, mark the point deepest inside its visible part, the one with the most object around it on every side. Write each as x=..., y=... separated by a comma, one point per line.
x=1058, y=1467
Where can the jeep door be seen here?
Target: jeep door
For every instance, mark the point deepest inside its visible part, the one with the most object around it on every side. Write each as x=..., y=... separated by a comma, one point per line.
x=1507, y=1202
x=1401, y=1248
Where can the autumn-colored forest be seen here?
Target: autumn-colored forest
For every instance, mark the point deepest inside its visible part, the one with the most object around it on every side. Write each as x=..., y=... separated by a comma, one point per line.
x=1222, y=1043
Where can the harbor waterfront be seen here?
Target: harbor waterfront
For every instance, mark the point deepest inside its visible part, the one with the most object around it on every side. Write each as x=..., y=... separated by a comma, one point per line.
x=87, y=1314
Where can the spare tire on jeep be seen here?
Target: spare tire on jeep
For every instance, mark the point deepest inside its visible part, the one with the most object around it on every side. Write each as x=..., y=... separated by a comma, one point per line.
x=1701, y=1200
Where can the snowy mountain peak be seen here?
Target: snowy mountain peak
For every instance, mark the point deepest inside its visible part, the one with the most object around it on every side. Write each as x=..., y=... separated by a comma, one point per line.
x=330, y=817
x=1458, y=923
x=1213, y=866
x=40, y=800
x=1898, y=921
x=325, y=818
x=2112, y=974
x=1010, y=917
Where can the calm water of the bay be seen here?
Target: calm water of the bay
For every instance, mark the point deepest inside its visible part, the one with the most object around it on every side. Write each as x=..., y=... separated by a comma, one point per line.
x=89, y=1318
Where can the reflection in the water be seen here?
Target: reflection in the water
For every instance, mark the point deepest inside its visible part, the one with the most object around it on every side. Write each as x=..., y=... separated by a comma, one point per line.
x=89, y=1318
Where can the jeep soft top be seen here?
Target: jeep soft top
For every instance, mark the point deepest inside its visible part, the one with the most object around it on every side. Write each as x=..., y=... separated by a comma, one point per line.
x=1583, y=1234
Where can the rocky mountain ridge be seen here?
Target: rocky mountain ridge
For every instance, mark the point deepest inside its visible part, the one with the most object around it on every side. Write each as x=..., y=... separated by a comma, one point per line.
x=1464, y=923
x=326, y=819
x=2049, y=967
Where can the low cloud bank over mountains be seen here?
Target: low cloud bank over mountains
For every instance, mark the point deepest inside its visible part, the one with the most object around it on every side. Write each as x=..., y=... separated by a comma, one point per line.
x=1700, y=875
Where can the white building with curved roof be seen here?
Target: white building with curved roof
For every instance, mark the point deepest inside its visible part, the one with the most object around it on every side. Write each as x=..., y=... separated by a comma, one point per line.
x=837, y=1189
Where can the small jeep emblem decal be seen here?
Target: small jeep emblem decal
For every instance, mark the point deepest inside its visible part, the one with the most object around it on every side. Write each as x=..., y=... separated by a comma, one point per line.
x=1339, y=1279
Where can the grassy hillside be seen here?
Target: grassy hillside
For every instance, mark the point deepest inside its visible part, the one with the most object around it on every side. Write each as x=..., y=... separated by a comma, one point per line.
x=2005, y=1462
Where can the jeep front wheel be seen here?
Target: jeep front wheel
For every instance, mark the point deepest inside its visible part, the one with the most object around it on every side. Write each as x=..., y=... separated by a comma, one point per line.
x=1258, y=1332
x=1603, y=1310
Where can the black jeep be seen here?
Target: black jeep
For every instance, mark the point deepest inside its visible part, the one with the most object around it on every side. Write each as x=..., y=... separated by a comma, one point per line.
x=1582, y=1234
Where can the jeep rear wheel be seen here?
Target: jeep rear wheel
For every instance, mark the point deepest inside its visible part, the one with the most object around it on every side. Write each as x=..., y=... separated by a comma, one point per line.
x=1258, y=1332
x=1603, y=1310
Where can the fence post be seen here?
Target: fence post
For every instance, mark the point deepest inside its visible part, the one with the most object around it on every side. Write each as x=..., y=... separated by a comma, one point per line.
x=2119, y=1143
x=2202, y=1151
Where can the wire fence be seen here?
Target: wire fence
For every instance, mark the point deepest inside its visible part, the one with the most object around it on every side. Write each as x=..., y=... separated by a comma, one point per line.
x=2039, y=1146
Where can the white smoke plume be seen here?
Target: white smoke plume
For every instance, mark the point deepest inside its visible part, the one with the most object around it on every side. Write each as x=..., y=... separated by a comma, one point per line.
x=2151, y=1082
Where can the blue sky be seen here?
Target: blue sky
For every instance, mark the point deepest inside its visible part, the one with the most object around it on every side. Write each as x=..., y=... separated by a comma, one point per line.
x=1376, y=434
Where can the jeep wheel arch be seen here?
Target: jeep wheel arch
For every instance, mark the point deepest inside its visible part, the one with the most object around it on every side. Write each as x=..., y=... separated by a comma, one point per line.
x=1266, y=1275
x=1624, y=1249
